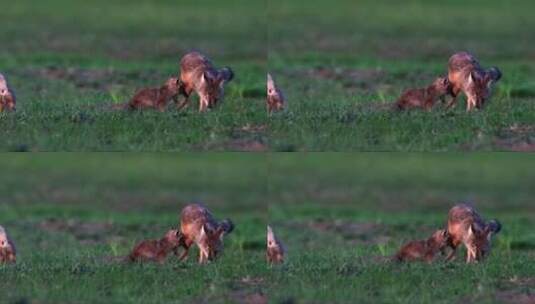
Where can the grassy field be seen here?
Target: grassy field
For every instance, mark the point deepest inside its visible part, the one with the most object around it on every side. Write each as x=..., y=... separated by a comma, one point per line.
x=340, y=65
x=340, y=215
x=343, y=65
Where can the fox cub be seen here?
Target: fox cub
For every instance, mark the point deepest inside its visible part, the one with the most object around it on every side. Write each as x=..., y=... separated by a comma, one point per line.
x=8, y=253
x=466, y=74
x=424, y=98
x=156, y=98
x=465, y=226
x=157, y=250
x=7, y=96
x=275, y=249
x=198, y=74
x=198, y=226
x=275, y=99
x=423, y=250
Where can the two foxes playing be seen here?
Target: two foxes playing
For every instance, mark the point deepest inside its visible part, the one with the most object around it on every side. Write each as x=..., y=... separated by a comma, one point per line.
x=465, y=226
x=465, y=74
x=197, y=74
x=197, y=226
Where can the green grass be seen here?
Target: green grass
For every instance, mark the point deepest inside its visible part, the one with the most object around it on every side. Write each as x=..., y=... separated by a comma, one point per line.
x=340, y=216
x=66, y=68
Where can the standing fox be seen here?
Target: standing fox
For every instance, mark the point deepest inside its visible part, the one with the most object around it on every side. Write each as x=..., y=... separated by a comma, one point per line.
x=424, y=98
x=157, y=250
x=8, y=253
x=275, y=249
x=423, y=250
x=275, y=99
x=198, y=226
x=197, y=73
x=466, y=74
x=7, y=96
x=465, y=226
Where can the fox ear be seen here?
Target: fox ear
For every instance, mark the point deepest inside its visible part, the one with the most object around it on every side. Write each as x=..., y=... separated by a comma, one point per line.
x=203, y=233
x=471, y=231
x=471, y=79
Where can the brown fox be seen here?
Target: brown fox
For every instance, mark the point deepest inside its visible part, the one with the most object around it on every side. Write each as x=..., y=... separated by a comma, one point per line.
x=465, y=226
x=423, y=250
x=466, y=74
x=155, y=98
x=424, y=98
x=275, y=249
x=8, y=100
x=198, y=226
x=275, y=99
x=157, y=250
x=8, y=252
x=197, y=73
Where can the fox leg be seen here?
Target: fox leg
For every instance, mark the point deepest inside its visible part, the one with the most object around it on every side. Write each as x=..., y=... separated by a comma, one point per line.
x=203, y=256
x=454, y=93
x=451, y=255
x=203, y=105
x=184, y=254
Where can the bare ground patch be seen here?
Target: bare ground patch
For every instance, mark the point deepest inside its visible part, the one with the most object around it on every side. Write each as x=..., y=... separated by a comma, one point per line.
x=518, y=138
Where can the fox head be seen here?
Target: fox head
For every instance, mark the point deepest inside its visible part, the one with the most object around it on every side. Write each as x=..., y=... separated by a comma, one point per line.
x=174, y=237
x=173, y=84
x=212, y=85
x=7, y=98
x=210, y=240
x=442, y=85
x=480, y=84
x=478, y=239
x=4, y=240
x=271, y=239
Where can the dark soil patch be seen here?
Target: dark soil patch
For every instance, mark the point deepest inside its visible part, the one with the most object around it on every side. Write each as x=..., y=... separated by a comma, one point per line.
x=97, y=79
x=365, y=232
x=363, y=79
x=87, y=232
x=514, y=297
x=238, y=145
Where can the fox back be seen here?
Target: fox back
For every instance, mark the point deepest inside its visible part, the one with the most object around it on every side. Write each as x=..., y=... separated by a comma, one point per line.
x=466, y=74
x=155, y=97
x=197, y=73
x=466, y=226
x=424, y=98
x=423, y=250
x=198, y=226
x=156, y=250
x=7, y=96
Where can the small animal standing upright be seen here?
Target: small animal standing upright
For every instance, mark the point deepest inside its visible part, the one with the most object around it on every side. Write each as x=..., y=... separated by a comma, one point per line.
x=155, y=98
x=198, y=74
x=423, y=250
x=424, y=98
x=8, y=252
x=466, y=75
x=465, y=226
x=275, y=99
x=198, y=226
x=156, y=250
x=275, y=249
x=8, y=100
